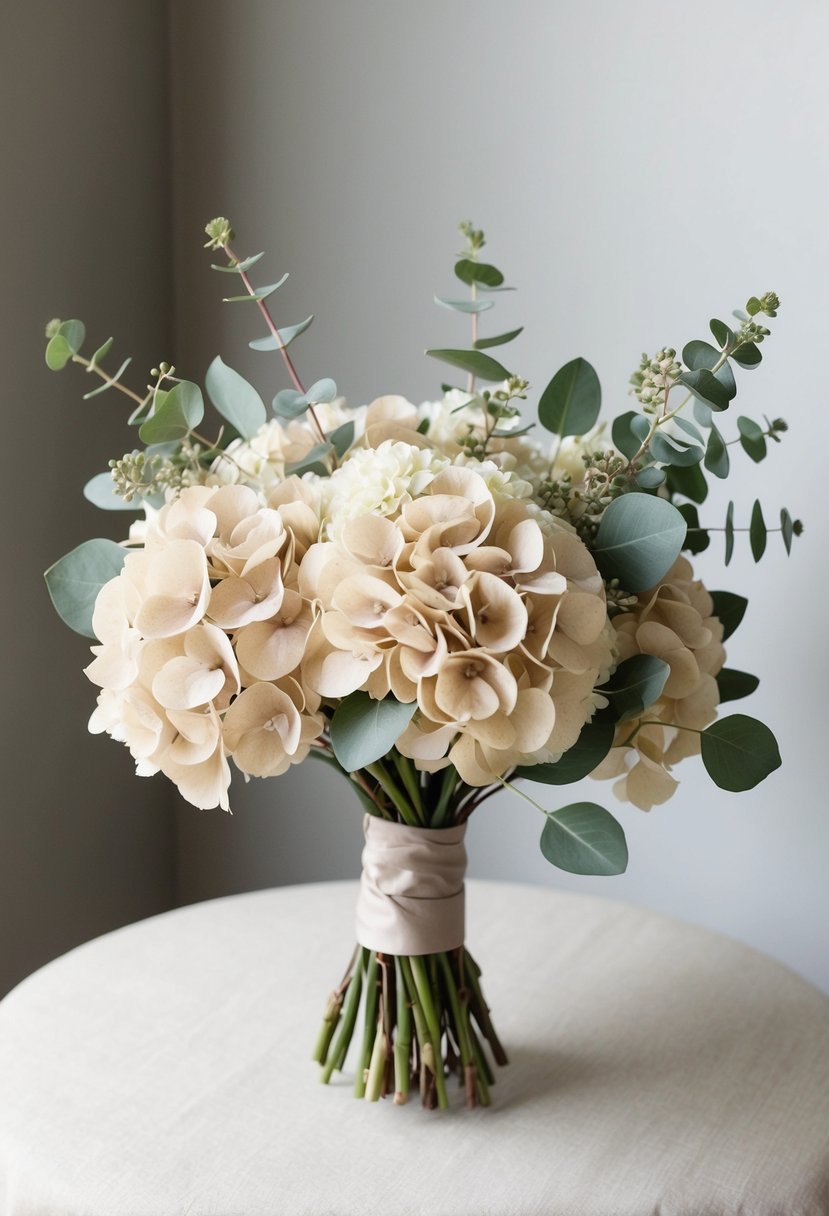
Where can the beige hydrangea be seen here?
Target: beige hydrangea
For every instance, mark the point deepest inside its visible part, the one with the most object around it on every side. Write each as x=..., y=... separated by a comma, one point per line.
x=200, y=635
x=675, y=622
x=460, y=602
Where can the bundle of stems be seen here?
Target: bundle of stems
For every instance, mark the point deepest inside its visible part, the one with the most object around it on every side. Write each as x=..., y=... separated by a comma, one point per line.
x=424, y=1017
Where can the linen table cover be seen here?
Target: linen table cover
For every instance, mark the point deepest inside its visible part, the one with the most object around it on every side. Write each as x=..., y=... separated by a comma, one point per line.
x=656, y=1070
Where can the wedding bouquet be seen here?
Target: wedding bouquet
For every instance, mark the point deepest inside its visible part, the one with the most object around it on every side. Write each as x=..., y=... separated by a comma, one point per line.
x=432, y=600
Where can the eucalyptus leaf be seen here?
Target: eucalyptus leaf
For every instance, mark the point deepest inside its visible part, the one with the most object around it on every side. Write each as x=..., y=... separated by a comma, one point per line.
x=688, y=427
x=311, y=461
x=639, y=539
x=757, y=532
x=702, y=412
x=584, y=838
x=739, y=752
x=689, y=482
x=671, y=451
x=786, y=529
x=472, y=361
x=628, y=432
x=238, y=267
x=571, y=402
x=287, y=333
x=100, y=491
x=697, y=539
x=341, y=438
x=289, y=403
x=635, y=684
x=471, y=306
x=722, y=333
x=650, y=478
x=729, y=533
x=586, y=754
x=470, y=272
x=364, y=730
x=181, y=409
x=102, y=352
x=748, y=355
x=734, y=685
x=58, y=353
x=321, y=391
x=715, y=389
x=753, y=307
x=729, y=609
x=261, y=293
x=74, y=333
x=498, y=339
x=235, y=398
x=113, y=380
x=752, y=439
x=75, y=580
x=716, y=454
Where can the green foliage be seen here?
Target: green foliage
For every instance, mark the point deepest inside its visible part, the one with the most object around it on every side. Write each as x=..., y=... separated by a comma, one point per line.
x=261, y=293
x=729, y=608
x=238, y=267
x=670, y=450
x=591, y=747
x=639, y=539
x=107, y=384
x=734, y=685
x=175, y=414
x=472, y=361
x=752, y=439
x=697, y=539
x=64, y=343
x=341, y=438
x=629, y=431
x=75, y=580
x=286, y=332
x=468, y=306
x=481, y=273
x=571, y=402
x=289, y=403
x=101, y=353
x=786, y=529
x=235, y=398
x=689, y=482
x=739, y=752
x=312, y=462
x=584, y=838
x=100, y=491
x=635, y=684
x=716, y=454
x=757, y=532
x=715, y=389
x=364, y=730
x=498, y=339
x=729, y=533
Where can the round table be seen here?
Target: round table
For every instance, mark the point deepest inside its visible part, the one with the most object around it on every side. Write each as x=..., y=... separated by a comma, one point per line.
x=656, y=1070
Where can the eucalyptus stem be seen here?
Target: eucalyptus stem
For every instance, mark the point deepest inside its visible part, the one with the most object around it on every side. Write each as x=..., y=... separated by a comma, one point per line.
x=110, y=380
x=386, y=782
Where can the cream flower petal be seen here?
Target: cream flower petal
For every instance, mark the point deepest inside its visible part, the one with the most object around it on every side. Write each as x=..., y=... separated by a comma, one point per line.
x=205, y=785
x=198, y=732
x=365, y=600
x=271, y=649
x=497, y=614
x=581, y=616
x=373, y=539
x=255, y=597
x=176, y=589
x=422, y=740
x=469, y=759
x=342, y=673
x=472, y=684
x=262, y=730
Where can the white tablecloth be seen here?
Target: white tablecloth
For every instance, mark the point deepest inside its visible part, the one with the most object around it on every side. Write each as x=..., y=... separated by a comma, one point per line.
x=656, y=1070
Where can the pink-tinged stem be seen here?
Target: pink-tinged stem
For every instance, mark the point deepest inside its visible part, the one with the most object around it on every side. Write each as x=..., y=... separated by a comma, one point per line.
x=283, y=350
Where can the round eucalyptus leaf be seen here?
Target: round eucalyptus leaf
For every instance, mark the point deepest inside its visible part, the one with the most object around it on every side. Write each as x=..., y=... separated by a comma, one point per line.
x=739, y=752
x=235, y=398
x=571, y=402
x=75, y=580
x=639, y=539
x=364, y=730
x=584, y=838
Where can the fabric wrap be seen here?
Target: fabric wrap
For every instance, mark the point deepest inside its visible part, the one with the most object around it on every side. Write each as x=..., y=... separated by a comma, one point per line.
x=411, y=893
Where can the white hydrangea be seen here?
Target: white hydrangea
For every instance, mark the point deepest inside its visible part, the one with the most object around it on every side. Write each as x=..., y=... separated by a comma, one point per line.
x=376, y=481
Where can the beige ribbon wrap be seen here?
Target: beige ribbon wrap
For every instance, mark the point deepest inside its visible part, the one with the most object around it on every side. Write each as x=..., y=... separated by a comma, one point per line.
x=411, y=892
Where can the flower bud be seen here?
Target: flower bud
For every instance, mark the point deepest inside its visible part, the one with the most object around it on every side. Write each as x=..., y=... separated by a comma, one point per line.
x=220, y=233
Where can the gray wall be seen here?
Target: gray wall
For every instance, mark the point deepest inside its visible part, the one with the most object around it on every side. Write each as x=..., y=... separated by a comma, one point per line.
x=638, y=168
x=84, y=213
